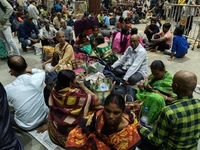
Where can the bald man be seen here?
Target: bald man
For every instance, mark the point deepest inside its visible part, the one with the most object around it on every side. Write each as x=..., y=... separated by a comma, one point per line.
x=48, y=34
x=68, y=32
x=133, y=65
x=178, y=126
x=26, y=95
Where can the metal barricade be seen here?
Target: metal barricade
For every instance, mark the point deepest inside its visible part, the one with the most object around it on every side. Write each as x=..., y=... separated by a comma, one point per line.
x=187, y=16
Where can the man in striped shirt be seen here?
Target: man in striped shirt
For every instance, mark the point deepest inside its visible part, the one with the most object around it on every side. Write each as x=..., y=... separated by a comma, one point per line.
x=178, y=126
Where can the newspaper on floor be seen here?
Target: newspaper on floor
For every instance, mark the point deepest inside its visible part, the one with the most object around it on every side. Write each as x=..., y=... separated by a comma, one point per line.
x=44, y=139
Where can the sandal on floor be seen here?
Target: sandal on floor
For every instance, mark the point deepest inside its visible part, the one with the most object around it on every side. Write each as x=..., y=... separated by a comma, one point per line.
x=153, y=50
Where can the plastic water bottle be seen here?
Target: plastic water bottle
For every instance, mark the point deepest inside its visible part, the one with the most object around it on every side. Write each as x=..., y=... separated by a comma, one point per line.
x=103, y=87
x=144, y=118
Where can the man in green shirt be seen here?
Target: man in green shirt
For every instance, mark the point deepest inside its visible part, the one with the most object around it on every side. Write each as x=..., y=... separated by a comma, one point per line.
x=178, y=126
x=100, y=17
x=6, y=11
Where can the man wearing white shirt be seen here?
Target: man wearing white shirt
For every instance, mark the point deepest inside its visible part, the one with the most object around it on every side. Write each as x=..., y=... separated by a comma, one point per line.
x=25, y=93
x=133, y=64
x=48, y=34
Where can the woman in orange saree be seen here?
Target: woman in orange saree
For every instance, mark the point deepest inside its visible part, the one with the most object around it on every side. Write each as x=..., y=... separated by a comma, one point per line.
x=106, y=129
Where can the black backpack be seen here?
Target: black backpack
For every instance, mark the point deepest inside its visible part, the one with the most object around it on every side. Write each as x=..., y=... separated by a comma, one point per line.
x=51, y=82
x=124, y=90
x=13, y=19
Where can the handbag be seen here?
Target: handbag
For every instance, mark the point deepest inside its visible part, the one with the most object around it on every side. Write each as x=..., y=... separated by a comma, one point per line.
x=102, y=88
x=95, y=67
x=13, y=19
x=133, y=106
x=3, y=52
x=124, y=90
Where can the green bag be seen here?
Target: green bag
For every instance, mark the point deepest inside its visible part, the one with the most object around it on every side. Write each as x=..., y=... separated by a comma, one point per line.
x=95, y=67
x=107, y=54
x=3, y=52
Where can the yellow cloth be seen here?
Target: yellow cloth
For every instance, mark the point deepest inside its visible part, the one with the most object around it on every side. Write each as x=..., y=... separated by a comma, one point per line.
x=181, y=1
x=66, y=54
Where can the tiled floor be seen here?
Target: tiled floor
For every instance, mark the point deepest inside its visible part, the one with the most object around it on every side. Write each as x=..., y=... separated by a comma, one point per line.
x=190, y=62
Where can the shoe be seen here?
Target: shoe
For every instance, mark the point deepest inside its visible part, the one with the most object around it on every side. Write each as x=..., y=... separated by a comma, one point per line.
x=32, y=47
x=24, y=48
x=167, y=51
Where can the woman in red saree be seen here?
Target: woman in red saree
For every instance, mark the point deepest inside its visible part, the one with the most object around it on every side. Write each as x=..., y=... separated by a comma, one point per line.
x=106, y=129
x=69, y=102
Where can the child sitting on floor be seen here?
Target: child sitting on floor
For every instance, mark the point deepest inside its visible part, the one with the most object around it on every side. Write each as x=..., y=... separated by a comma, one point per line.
x=180, y=45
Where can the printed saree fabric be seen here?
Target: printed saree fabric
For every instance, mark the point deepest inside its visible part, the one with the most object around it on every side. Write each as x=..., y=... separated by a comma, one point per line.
x=154, y=101
x=119, y=46
x=67, y=107
x=88, y=135
x=105, y=52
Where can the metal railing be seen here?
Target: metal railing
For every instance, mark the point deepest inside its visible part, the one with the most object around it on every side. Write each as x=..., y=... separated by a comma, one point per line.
x=187, y=16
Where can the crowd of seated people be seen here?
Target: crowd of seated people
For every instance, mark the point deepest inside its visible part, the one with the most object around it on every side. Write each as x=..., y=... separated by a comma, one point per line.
x=70, y=101
x=73, y=114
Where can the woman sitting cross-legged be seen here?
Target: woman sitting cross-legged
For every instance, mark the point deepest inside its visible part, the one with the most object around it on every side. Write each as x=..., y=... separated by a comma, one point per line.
x=120, y=40
x=82, y=44
x=82, y=40
x=69, y=101
x=64, y=51
x=156, y=90
x=95, y=33
x=106, y=129
x=104, y=51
